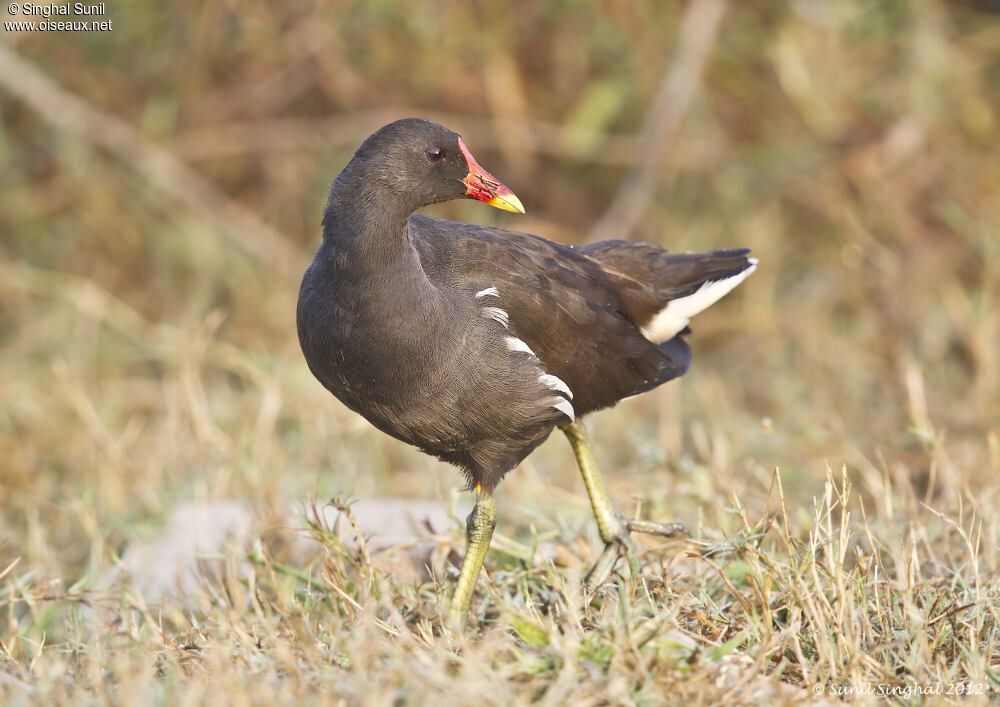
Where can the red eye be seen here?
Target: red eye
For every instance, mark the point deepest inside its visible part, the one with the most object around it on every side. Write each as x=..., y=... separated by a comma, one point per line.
x=435, y=154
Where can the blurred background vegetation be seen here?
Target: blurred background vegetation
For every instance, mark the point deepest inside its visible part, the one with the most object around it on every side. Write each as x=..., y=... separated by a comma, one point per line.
x=162, y=188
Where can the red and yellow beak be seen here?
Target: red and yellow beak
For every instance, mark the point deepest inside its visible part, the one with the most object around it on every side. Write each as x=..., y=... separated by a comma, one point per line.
x=485, y=187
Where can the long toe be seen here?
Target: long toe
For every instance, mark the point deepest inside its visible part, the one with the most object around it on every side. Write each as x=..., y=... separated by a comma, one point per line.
x=618, y=545
x=664, y=530
x=601, y=570
x=622, y=544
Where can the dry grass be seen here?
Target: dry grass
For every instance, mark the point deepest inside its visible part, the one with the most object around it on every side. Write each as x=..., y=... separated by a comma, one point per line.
x=835, y=448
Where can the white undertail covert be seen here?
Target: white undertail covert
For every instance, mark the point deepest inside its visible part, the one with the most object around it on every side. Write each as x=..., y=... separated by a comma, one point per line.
x=672, y=319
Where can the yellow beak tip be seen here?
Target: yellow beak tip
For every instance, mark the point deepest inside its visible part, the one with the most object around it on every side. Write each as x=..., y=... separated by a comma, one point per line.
x=507, y=202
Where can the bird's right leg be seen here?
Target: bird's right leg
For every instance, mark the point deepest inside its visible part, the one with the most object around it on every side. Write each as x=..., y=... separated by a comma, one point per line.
x=614, y=529
x=479, y=531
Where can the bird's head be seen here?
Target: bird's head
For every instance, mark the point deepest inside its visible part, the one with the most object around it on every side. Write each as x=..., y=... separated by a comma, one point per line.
x=426, y=163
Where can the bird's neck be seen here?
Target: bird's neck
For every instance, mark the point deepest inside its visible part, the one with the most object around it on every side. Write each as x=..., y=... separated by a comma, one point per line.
x=366, y=242
x=365, y=218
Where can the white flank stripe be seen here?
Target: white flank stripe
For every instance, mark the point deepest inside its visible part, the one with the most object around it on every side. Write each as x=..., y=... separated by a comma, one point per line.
x=515, y=344
x=488, y=292
x=498, y=315
x=565, y=407
x=677, y=314
x=556, y=383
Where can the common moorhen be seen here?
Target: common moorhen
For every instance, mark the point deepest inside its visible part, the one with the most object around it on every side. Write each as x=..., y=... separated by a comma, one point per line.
x=472, y=343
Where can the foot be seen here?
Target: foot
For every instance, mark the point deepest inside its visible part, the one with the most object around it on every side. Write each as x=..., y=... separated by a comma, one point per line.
x=618, y=542
x=615, y=529
x=479, y=531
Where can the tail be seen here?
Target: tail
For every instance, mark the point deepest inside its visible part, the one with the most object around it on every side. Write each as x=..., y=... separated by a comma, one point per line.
x=686, y=283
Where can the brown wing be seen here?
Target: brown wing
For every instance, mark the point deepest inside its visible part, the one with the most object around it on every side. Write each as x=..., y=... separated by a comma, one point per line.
x=669, y=275
x=580, y=316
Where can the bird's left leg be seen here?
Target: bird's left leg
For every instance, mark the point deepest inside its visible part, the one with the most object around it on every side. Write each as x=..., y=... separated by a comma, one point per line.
x=479, y=531
x=614, y=529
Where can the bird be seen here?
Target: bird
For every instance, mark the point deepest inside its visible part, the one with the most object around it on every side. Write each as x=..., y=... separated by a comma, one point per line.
x=473, y=343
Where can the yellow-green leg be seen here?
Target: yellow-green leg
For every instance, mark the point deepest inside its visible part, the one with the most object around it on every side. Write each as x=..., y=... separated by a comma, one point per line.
x=479, y=531
x=614, y=529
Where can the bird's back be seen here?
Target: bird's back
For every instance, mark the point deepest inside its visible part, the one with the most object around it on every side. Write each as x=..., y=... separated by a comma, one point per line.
x=581, y=310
